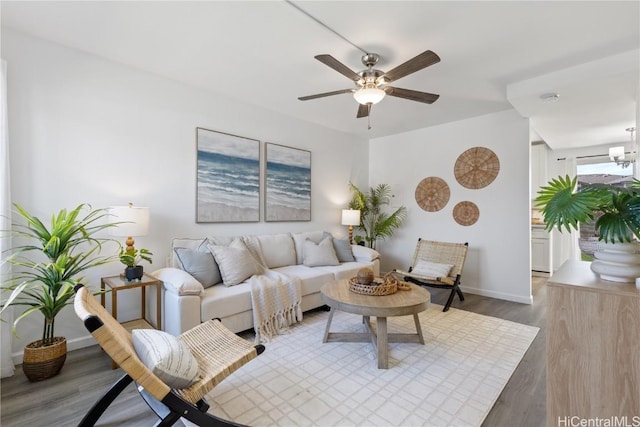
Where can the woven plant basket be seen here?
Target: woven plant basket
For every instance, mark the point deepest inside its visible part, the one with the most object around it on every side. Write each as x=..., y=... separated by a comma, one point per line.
x=40, y=363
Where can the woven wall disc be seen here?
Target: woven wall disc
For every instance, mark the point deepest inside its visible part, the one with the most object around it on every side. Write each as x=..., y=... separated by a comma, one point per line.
x=466, y=213
x=476, y=168
x=432, y=194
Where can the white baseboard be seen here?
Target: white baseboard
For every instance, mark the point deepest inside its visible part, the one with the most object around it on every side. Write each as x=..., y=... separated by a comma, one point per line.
x=498, y=295
x=74, y=344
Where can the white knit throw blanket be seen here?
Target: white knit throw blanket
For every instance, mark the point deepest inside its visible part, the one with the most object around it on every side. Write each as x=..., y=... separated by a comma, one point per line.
x=276, y=299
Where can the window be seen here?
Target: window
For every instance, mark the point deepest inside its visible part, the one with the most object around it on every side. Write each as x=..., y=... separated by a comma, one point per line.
x=594, y=171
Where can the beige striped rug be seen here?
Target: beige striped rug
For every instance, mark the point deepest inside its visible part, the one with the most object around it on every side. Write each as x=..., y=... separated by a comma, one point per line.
x=452, y=380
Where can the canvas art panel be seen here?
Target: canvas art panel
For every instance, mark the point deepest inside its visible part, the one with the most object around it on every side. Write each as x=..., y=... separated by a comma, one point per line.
x=228, y=177
x=288, y=183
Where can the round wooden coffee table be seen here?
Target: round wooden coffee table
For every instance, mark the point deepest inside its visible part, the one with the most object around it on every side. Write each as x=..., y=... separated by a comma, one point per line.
x=402, y=303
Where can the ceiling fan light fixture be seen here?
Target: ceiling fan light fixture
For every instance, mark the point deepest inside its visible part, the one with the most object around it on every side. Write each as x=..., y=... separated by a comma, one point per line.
x=369, y=95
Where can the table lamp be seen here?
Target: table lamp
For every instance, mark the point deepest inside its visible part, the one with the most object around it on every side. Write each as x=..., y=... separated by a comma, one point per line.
x=350, y=217
x=133, y=221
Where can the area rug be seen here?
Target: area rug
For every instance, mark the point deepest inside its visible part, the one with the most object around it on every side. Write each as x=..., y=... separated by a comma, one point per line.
x=452, y=380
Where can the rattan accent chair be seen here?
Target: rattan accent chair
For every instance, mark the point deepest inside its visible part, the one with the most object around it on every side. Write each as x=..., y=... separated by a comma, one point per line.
x=219, y=352
x=430, y=251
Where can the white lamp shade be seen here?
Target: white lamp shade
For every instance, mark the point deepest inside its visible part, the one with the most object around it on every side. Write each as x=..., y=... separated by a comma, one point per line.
x=616, y=153
x=350, y=217
x=369, y=95
x=135, y=221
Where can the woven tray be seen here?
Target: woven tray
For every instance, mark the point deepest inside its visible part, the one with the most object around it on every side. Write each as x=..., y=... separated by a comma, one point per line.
x=386, y=285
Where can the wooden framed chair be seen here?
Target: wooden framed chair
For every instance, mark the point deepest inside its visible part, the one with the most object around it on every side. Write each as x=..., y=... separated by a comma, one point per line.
x=437, y=265
x=218, y=351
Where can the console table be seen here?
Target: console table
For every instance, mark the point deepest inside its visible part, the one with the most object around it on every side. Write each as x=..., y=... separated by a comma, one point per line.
x=593, y=346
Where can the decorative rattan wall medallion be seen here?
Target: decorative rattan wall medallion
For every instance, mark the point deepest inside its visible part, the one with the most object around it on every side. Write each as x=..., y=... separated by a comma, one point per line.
x=432, y=194
x=476, y=168
x=466, y=213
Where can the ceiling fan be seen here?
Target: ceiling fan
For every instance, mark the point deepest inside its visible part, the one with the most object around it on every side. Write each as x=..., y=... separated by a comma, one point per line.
x=372, y=85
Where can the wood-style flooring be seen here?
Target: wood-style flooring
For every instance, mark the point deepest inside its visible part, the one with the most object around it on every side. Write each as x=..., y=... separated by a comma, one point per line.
x=87, y=374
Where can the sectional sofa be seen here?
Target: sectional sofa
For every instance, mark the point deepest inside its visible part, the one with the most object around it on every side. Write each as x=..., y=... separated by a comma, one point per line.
x=208, y=277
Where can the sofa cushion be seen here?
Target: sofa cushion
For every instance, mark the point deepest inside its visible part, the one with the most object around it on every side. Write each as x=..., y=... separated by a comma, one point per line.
x=225, y=301
x=166, y=356
x=199, y=263
x=277, y=249
x=345, y=270
x=299, y=239
x=235, y=262
x=342, y=248
x=317, y=254
x=178, y=281
x=311, y=278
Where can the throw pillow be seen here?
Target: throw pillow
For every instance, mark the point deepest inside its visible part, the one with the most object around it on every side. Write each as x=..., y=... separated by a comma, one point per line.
x=235, y=262
x=342, y=248
x=200, y=264
x=166, y=356
x=431, y=269
x=364, y=254
x=178, y=281
x=315, y=255
x=278, y=250
x=300, y=238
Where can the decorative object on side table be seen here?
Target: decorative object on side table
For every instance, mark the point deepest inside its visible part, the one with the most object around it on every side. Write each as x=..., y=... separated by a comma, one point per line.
x=132, y=222
x=374, y=222
x=70, y=246
x=566, y=204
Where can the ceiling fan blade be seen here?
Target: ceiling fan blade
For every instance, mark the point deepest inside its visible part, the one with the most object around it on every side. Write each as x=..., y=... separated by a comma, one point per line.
x=421, y=61
x=363, y=110
x=322, y=95
x=413, y=95
x=332, y=62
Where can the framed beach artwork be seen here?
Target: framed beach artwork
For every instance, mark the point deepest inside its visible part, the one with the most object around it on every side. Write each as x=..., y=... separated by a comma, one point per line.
x=228, y=177
x=288, y=183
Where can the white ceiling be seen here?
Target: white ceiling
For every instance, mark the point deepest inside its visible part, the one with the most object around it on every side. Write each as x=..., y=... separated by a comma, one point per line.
x=494, y=56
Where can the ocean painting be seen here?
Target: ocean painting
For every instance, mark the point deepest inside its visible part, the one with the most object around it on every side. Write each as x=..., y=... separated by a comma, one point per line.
x=228, y=188
x=288, y=184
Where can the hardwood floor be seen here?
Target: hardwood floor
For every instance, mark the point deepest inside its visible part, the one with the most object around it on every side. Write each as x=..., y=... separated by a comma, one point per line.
x=87, y=374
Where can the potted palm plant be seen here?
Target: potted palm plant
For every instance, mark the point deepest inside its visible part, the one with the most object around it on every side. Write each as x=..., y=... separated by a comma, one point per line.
x=375, y=222
x=617, y=212
x=131, y=258
x=48, y=263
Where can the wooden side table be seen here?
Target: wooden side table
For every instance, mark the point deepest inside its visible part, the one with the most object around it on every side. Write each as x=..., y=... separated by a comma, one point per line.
x=116, y=284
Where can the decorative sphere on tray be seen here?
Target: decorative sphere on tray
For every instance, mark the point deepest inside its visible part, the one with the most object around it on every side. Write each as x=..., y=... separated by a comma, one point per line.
x=365, y=276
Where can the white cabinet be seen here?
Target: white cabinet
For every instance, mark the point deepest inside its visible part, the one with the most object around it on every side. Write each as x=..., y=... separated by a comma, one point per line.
x=540, y=250
x=538, y=168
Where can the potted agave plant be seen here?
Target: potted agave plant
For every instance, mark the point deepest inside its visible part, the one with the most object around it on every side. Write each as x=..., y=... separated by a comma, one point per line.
x=617, y=214
x=375, y=223
x=48, y=262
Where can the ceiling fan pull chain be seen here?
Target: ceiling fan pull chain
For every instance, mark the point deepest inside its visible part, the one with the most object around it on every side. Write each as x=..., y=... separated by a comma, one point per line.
x=368, y=121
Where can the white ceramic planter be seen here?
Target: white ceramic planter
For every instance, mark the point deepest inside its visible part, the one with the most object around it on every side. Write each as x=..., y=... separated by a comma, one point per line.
x=617, y=262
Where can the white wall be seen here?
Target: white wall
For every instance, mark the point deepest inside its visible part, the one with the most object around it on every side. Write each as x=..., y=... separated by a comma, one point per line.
x=498, y=261
x=83, y=129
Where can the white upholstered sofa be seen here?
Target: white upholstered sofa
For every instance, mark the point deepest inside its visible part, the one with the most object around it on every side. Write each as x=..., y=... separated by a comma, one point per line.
x=208, y=277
